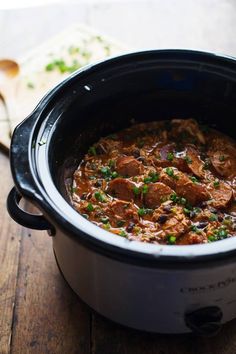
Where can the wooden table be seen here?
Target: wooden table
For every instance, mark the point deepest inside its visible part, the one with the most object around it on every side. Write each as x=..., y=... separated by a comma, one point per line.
x=40, y=314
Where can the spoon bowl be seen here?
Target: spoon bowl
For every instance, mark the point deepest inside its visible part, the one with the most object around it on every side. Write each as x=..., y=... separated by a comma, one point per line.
x=8, y=68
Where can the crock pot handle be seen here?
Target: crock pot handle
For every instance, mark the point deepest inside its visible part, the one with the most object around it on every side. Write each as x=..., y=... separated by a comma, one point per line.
x=37, y=222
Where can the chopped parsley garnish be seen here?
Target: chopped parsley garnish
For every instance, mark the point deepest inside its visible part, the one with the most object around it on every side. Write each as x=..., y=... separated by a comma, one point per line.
x=188, y=159
x=171, y=240
x=90, y=207
x=92, y=151
x=170, y=156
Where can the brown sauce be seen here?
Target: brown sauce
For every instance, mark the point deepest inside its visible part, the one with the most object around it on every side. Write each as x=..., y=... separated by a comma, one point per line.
x=168, y=182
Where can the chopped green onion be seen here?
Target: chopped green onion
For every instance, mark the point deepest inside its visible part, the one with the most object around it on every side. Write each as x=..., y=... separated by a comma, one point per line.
x=212, y=238
x=216, y=183
x=92, y=151
x=171, y=239
x=123, y=233
x=222, y=233
x=120, y=223
x=114, y=174
x=187, y=211
x=170, y=172
x=221, y=158
x=144, y=211
x=111, y=163
x=90, y=207
x=136, y=190
x=193, y=179
x=213, y=217
x=104, y=220
x=182, y=201
x=105, y=170
x=174, y=198
x=188, y=159
x=145, y=189
x=154, y=176
x=147, y=180
x=100, y=197
x=170, y=156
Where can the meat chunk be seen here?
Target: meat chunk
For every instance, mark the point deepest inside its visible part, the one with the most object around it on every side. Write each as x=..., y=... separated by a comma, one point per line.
x=122, y=189
x=165, y=156
x=221, y=194
x=122, y=210
x=190, y=126
x=192, y=238
x=195, y=164
x=176, y=224
x=195, y=193
x=156, y=194
x=128, y=166
x=222, y=154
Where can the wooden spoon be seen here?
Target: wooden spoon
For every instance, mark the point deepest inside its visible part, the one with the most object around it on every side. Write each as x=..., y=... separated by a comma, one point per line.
x=9, y=69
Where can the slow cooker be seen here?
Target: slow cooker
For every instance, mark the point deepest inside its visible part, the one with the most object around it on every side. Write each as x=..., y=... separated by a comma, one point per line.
x=156, y=288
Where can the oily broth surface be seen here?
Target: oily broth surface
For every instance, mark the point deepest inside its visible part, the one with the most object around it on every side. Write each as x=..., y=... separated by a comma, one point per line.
x=169, y=182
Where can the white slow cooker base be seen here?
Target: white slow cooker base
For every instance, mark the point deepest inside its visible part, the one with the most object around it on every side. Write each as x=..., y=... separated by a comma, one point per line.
x=143, y=298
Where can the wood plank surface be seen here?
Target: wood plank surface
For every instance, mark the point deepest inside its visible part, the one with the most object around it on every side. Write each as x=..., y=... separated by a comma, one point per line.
x=49, y=318
x=127, y=341
x=10, y=237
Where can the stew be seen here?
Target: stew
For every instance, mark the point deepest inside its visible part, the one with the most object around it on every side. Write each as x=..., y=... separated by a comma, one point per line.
x=169, y=182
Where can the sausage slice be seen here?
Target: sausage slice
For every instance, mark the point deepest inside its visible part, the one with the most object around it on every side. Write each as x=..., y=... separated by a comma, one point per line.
x=221, y=195
x=195, y=193
x=129, y=166
x=121, y=189
x=156, y=194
